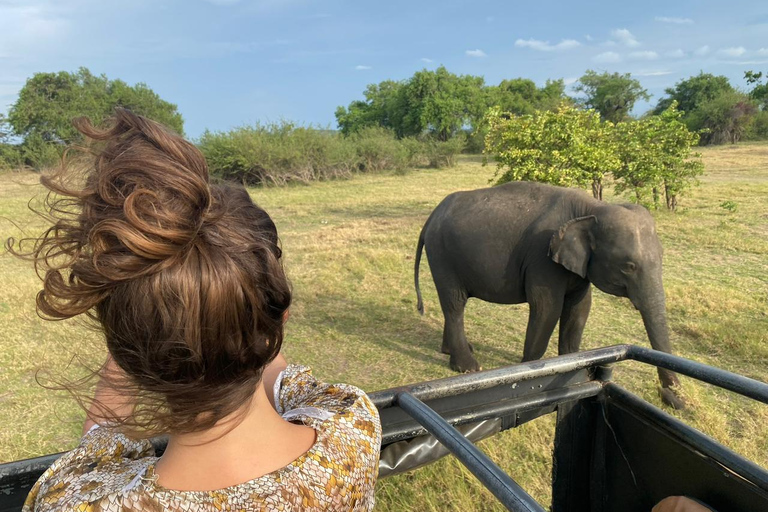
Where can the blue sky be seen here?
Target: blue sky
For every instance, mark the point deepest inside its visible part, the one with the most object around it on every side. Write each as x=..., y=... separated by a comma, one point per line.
x=232, y=62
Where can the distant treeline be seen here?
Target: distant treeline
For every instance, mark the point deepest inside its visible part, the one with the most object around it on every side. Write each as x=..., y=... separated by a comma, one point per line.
x=423, y=120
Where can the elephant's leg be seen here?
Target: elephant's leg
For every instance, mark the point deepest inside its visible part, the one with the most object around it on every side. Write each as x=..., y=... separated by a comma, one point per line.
x=573, y=319
x=546, y=306
x=453, y=301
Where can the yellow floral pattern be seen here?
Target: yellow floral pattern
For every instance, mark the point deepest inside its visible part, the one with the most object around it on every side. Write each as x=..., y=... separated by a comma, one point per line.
x=110, y=472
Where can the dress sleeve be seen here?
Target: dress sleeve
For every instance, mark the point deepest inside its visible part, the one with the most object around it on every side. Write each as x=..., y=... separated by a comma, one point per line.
x=354, y=428
x=297, y=389
x=101, y=451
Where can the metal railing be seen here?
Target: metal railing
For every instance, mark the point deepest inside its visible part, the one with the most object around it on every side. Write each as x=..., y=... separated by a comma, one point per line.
x=483, y=403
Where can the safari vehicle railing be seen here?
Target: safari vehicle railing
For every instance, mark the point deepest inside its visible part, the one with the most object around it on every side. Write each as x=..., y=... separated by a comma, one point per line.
x=612, y=450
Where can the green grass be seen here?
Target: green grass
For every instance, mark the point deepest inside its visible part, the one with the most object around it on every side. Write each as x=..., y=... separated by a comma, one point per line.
x=349, y=249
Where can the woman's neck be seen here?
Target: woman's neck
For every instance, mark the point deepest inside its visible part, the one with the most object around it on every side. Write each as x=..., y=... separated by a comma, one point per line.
x=223, y=456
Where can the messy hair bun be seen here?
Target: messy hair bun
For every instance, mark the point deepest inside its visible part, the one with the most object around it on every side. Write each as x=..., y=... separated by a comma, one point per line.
x=184, y=276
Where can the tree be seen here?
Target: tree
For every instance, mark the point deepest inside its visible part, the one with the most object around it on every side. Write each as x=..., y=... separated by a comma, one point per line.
x=48, y=102
x=613, y=95
x=724, y=119
x=521, y=96
x=383, y=106
x=691, y=93
x=435, y=102
x=655, y=154
x=566, y=147
x=759, y=91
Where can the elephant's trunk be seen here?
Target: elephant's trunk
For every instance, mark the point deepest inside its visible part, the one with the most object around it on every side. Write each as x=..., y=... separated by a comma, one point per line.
x=652, y=307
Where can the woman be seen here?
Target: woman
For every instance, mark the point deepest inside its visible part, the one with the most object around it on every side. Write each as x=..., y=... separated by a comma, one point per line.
x=185, y=280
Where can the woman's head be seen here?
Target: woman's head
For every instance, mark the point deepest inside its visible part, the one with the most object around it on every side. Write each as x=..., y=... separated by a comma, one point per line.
x=183, y=276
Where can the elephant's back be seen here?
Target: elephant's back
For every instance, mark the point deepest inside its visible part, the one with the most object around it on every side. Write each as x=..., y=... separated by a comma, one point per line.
x=514, y=205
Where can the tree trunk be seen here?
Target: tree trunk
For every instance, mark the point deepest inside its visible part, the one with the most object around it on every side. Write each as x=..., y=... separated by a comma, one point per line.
x=597, y=188
x=656, y=197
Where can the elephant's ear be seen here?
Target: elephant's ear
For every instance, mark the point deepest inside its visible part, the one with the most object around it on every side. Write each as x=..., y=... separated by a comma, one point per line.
x=571, y=246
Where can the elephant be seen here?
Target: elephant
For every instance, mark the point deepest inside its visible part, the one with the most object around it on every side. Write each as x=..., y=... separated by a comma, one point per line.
x=544, y=245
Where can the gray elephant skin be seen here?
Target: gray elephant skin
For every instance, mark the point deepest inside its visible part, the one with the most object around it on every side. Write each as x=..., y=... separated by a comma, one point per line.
x=544, y=245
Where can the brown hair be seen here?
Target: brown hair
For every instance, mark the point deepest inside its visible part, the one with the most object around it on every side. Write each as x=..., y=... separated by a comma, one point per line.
x=183, y=276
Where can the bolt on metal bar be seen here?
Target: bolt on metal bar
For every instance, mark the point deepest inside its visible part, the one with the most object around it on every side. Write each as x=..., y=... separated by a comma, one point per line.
x=490, y=475
x=738, y=384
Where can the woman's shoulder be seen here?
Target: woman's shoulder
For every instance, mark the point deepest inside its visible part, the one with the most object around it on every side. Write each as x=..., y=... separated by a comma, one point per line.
x=105, y=463
x=297, y=390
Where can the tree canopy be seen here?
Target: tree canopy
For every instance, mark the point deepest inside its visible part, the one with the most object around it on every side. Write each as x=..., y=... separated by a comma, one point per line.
x=49, y=101
x=613, y=95
x=442, y=103
x=691, y=93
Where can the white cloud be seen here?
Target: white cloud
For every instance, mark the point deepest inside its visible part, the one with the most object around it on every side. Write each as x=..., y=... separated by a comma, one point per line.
x=360, y=67
x=588, y=37
x=762, y=51
x=676, y=21
x=625, y=37
x=734, y=51
x=428, y=61
x=675, y=54
x=653, y=73
x=544, y=46
x=570, y=80
x=702, y=51
x=646, y=55
x=607, y=57
x=476, y=53
x=750, y=62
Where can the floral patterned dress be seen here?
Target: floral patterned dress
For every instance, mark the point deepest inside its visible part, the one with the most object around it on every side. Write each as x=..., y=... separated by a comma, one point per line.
x=111, y=472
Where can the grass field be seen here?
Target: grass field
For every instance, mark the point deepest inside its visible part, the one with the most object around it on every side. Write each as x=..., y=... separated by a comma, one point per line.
x=349, y=248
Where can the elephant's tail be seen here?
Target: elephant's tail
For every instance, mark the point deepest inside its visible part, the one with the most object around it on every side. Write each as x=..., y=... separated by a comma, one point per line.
x=419, y=303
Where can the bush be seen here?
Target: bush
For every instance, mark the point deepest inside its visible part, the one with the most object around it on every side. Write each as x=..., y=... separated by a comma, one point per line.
x=724, y=119
x=572, y=147
x=283, y=152
x=566, y=147
x=440, y=153
x=378, y=149
x=758, y=129
x=278, y=153
x=10, y=156
x=38, y=153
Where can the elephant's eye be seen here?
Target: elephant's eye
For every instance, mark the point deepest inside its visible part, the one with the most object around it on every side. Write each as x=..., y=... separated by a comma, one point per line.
x=629, y=268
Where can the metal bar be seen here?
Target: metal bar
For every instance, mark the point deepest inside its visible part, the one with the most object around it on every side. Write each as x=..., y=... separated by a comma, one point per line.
x=505, y=375
x=738, y=384
x=490, y=475
x=699, y=441
x=539, y=400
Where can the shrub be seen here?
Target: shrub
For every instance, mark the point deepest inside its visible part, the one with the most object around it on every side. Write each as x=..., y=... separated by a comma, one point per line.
x=278, y=153
x=10, y=156
x=724, y=119
x=378, y=149
x=442, y=153
x=567, y=147
x=758, y=129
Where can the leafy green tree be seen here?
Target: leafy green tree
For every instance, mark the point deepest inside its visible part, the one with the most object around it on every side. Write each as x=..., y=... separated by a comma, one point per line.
x=759, y=91
x=436, y=102
x=613, y=95
x=691, y=93
x=48, y=102
x=383, y=106
x=724, y=119
x=655, y=154
x=566, y=147
x=521, y=96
